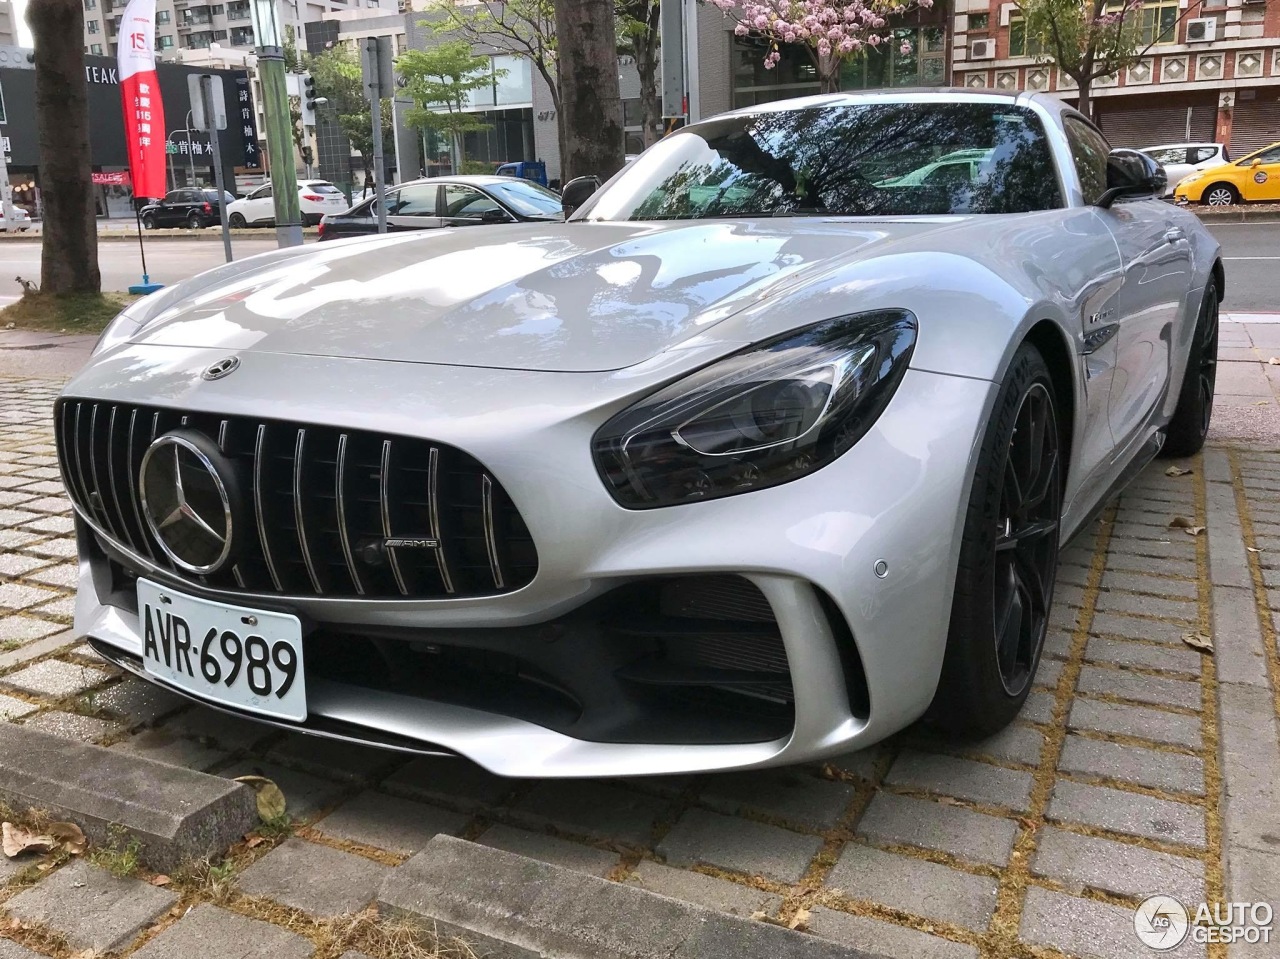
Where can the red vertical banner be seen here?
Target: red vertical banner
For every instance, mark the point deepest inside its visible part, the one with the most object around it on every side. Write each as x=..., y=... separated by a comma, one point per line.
x=143, y=109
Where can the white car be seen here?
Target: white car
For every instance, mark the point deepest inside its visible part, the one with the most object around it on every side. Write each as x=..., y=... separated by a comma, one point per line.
x=315, y=199
x=1180, y=160
x=20, y=223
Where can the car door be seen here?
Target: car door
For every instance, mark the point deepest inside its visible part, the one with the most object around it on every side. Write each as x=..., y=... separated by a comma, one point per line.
x=1264, y=170
x=1156, y=259
x=260, y=206
x=168, y=210
x=466, y=206
x=414, y=206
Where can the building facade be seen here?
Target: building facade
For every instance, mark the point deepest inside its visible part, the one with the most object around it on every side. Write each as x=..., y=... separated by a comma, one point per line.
x=197, y=24
x=1211, y=71
x=8, y=24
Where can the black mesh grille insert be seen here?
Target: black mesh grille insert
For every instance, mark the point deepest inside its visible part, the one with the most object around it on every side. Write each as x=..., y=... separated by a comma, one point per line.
x=317, y=505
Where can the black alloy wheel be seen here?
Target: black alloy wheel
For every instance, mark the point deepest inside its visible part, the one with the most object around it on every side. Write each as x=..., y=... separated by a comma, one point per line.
x=1026, y=546
x=1189, y=426
x=1008, y=557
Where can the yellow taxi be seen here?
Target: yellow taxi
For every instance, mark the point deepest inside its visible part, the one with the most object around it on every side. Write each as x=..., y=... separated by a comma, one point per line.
x=1255, y=178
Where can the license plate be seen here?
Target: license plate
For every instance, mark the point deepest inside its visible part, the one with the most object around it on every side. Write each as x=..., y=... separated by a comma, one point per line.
x=247, y=658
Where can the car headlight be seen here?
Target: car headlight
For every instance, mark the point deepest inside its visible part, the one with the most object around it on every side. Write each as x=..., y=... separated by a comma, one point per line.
x=132, y=318
x=767, y=415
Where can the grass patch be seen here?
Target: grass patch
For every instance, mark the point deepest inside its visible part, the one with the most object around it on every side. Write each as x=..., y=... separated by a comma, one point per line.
x=75, y=313
x=120, y=856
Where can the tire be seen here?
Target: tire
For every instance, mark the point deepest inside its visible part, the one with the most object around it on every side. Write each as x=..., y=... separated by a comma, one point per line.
x=148, y=221
x=238, y=221
x=1190, y=424
x=1008, y=558
x=1220, y=194
x=194, y=222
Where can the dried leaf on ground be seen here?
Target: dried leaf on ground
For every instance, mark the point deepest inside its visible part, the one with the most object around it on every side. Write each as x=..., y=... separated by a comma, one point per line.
x=160, y=880
x=70, y=836
x=253, y=842
x=1253, y=549
x=759, y=915
x=1274, y=361
x=271, y=802
x=18, y=839
x=1198, y=641
x=800, y=920
x=1177, y=471
x=1184, y=524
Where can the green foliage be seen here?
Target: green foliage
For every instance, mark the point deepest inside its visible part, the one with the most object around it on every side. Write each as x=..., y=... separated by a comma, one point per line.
x=1086, y=40
x=526, y=28
x=70, y=313
x=476, y=167
x=338, y=79
x=120, y=856
x=439, y=80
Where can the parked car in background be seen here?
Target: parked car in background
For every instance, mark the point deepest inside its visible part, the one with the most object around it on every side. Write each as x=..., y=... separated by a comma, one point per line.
x=534, y=170
x=315, y=199
x=194, y=208
x=20, y=223
x=1180, y=160
x=958, y=167
x=1252, y=179
x=448, y=201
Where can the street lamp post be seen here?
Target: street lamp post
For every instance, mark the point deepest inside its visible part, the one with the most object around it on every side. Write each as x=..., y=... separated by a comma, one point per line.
x=275, y=105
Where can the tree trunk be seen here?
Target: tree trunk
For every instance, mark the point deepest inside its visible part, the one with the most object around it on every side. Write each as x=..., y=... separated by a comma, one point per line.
x=589, y=94
x=829, y=73
x=646, y=53
x=69, y=258
x=1084, y=102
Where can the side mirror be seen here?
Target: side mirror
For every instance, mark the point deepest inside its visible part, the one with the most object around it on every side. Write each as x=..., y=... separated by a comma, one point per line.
x=577, y=192
x=494, y=215
x=1132, y=176
x=1255, y=163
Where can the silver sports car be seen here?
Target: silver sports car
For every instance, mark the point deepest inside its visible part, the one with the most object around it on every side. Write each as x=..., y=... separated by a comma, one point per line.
x=765, y=454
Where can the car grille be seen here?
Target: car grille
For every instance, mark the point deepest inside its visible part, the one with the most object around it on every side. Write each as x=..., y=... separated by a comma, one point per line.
x=318, y=505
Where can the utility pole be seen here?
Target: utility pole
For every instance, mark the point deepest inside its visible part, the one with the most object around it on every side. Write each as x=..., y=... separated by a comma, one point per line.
x=275, y=104
x=379, y=81
x=214, y=118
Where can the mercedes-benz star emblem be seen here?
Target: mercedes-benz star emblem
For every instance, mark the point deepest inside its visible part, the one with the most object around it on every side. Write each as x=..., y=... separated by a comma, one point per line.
x=224, y=367
x=186, y=502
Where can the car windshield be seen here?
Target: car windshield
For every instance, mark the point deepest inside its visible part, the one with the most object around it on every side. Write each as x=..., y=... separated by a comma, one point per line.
x=212, y=196
x=526, y=198
x=871, y=159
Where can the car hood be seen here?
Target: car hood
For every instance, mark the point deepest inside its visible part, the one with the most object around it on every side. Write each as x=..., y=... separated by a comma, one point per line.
x=575, y=297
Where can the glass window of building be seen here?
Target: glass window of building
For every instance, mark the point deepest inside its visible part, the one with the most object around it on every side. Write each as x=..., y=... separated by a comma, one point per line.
x=979, y=21
x=924, y=65
x=1021, y=45
x=92, y=26
x=95, y=49
x=162, y=16
x=794, y=76
x=1160, y=22
x=515, y=87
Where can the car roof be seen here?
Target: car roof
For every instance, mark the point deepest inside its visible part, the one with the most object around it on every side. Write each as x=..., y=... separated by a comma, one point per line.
x=467, y=179
x=1189, y=143
x=914, y=95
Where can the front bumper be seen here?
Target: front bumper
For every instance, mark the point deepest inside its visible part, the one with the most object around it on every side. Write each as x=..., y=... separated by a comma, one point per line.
x=810, y=547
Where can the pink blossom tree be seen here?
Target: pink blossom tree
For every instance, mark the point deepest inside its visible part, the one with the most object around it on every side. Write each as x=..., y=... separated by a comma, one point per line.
x=833, y=30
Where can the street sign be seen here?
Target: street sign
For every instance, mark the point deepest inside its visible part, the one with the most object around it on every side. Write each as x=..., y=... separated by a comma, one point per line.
x=377, y=67
x=197, y=102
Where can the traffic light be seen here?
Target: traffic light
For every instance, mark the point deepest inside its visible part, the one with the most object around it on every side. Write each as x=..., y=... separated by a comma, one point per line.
x=309, y=92
x=307, y=155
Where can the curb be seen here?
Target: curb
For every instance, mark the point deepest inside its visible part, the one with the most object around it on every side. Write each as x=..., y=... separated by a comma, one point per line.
x=266, y=233
x=520, y=908
x=1239, y=216
x=174, y=814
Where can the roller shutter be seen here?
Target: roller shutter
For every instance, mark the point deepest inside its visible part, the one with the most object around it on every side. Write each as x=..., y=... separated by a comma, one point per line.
x=1143, y=126
x=1255, y=124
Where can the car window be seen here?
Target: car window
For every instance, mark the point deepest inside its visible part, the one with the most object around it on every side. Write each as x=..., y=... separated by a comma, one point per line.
x=321, y=187
x=1089, y=150
x=466, y=202
x=262, y=193
x=951, y=174
x=528, y=199
x=849, y=159
x=413, y=201
x=1271, y=155
x=1168, y=155
x=1201, y=154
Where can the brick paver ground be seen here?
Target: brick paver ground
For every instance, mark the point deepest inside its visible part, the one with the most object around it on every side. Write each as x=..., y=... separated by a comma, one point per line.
x=1139, y=765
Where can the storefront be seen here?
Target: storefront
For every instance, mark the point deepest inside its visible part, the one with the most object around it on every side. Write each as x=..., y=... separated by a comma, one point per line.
x=190, y=152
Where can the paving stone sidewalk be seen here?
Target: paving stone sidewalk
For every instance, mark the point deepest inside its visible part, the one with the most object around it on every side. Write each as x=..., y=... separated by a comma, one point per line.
x=1139, y=765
